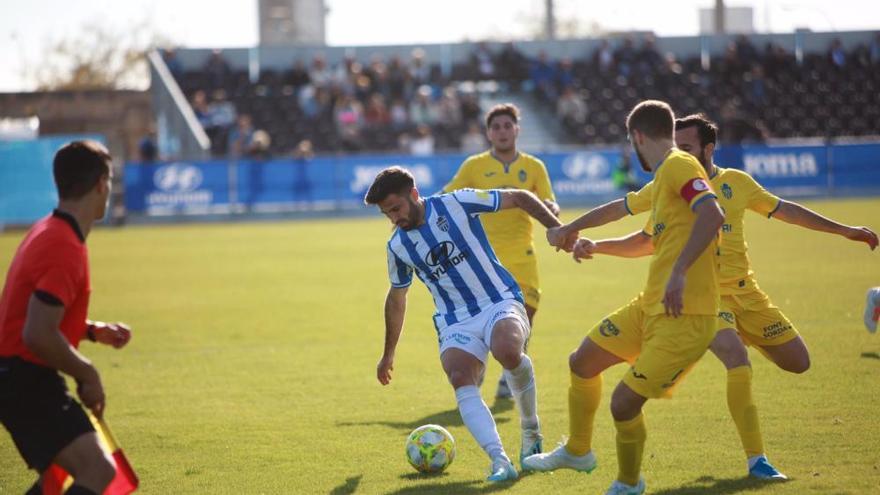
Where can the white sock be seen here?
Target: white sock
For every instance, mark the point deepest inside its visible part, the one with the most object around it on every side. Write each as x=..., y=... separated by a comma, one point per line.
x=521, y=381
x=754, y=460
x=478, y=419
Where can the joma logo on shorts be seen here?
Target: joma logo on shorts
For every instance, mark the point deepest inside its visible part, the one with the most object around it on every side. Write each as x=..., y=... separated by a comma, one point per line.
x=459, y=337
x=726, y=316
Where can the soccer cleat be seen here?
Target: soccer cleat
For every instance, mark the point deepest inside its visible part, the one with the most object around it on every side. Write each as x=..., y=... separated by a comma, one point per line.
x=560, y=459
x=532, y=443
x=502, y=470
x=618, y=488
x=503, y=390
x=872, y=309
x=763, y=470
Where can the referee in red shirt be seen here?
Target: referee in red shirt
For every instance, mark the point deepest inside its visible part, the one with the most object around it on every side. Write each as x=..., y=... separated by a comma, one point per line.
x=43, y=312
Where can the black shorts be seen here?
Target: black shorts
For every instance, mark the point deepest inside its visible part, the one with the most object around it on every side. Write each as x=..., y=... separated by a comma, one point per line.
x=38, y=411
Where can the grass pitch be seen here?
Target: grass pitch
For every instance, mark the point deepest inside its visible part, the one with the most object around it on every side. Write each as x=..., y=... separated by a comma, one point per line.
x=252, y=367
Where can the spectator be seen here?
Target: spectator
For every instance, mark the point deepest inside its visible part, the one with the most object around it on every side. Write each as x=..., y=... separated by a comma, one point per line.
x=625, y=57
x=169, y=55
x=319, y=74
x=603, y=57
x=543, y=77
x=260, y=145
x=449, y=109
x=148, y=152
x=221, y=112
x=470, y=107
x=200, y=109
x=746, y=51
x=349, y=118
x=422, y=110
x=565, y=74
x=302, y=158
x=513, y=66
x=241, y=138
x=423, y=143
x=399, y=115
x=649, y=57
x=217, y=69
x=482, y=63
x=571, y=109
x=418, y=67
x=756, y=87
x=473, y=141
x=376, y=114
x=298, y=76
x=837, y=54
x=875, y=49
x=738, y=128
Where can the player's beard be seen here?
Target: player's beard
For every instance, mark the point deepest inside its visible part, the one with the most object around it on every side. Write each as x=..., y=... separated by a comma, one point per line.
x=642, y=161
x=412, y=219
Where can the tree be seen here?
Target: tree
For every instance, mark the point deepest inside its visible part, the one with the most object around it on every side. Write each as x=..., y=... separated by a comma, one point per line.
x=98, y=56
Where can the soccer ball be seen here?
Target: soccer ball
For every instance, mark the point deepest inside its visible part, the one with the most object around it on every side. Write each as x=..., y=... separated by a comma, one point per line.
x=430, y=449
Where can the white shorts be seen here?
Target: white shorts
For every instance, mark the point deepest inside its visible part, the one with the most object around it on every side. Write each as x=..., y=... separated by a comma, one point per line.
x=474, y=335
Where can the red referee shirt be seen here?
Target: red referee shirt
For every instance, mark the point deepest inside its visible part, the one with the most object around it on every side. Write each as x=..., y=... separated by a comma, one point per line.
x=52, y=261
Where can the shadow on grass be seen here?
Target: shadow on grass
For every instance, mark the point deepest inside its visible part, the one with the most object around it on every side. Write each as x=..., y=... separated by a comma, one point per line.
x=870, y=355
x=710, y=484
x=459, y=488
x=443, y=418
x=349, y=487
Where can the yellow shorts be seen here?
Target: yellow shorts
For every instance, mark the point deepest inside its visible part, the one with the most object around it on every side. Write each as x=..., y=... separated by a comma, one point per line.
x=526, y=275
x=758, y=322
x=661, y=349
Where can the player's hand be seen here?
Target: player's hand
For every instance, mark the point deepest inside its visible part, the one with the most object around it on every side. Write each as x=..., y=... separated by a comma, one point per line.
x=863, y=234
x=384, y=368
x=583, y=249
x=562, y=237
x=674, y=297
x=91, y=393
x=552, y=206
x=116, y=334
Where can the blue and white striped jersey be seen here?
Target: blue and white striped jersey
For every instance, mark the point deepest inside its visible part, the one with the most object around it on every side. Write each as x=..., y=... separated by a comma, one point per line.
x=452, y=256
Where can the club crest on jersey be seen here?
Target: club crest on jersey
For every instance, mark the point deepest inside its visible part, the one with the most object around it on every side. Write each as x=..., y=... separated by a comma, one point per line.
x=522, y=176
x=443, y=223
x=727, y=191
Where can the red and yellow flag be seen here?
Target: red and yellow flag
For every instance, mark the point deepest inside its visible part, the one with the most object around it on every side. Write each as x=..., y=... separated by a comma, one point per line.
x=56, y=479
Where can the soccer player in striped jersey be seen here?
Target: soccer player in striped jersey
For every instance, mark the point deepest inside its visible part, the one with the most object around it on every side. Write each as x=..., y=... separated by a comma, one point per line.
x=479, y=306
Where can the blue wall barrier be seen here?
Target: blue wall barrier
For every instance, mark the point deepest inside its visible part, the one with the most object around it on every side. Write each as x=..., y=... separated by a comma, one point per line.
x=339, y=183
x=27, y=188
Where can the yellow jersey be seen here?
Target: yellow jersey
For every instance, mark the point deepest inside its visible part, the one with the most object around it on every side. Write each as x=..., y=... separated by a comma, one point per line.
x=737, y=191
x=509, y=231
x=680, y=184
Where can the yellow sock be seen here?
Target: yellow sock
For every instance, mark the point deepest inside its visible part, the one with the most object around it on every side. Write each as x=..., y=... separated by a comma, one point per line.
x=631, y=435
x=584, y=395
x=743, y=410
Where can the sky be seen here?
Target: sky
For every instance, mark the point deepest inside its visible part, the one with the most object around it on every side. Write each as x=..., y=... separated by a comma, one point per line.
x=28, y=28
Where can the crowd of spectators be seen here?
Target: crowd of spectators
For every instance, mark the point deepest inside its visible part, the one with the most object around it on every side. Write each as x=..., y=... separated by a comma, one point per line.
x=408, y=105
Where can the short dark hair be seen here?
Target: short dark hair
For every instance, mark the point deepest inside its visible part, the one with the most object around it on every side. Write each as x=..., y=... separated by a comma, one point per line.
x=706, y=129
x=654, y=118
x=392, y=180
x=78, y=166
x=508, y=109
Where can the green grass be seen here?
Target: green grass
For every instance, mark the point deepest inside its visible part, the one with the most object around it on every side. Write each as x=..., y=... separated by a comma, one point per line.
x=252, y=368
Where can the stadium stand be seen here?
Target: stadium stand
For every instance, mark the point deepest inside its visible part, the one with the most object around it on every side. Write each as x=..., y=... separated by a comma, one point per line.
x=394, y=104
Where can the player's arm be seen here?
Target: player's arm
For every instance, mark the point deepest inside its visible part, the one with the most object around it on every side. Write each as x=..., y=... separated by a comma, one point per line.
x=528, y=202
x=634, y=245
x=709, y=220
x=42, y=337
x=796, y=214
x=564, y=237
x=395, y=310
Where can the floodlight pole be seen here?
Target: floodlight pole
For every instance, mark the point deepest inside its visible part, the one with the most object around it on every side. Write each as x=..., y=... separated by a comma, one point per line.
x=549, y=20
x=719, y=16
